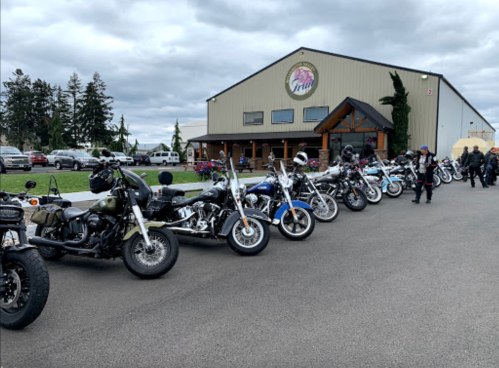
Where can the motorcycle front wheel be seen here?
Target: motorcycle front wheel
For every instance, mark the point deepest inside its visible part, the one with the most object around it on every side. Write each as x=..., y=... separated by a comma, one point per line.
x=153, y=263
x=437, y=181
x=299, y=230
x=27, y=289
x=355, y=200
x=394, y=189
x=249, y=241
x=324, y=213
x=446, y=177
x=457, y=176
x=374, y=195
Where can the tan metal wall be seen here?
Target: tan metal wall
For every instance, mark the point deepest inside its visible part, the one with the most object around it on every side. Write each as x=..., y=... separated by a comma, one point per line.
x=338, y=78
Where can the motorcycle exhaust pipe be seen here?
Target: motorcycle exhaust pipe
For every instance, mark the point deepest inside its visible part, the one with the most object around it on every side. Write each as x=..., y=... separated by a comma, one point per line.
x=188, y=231
x=38, y=240
x=180, y=221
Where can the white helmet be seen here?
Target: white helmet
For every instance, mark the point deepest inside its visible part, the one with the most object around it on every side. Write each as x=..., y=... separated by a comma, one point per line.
x=301, y=158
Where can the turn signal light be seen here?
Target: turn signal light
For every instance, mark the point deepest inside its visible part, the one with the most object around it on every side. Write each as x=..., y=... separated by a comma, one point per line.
x=33, y=202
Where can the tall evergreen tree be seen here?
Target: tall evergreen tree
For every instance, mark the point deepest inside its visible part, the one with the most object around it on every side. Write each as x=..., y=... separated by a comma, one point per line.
x=63, y=109
x=122, y=135
x=74, y=92
x=176, y=146
x=93, y=117
x=400, y=116
x=42, y=97
x=105, y=100
x=56, y=133
x=18, y=108
x=135, y=147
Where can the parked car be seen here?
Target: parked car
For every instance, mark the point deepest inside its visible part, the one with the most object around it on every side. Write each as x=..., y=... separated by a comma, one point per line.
x=76, y=160
x=122, y=159
x=51, y=156
x=12, y=159
x=140, y=159
x=165, y=158
x=37, y=158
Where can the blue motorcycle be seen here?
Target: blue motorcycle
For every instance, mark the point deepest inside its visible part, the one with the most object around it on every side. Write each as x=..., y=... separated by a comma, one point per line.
x=390, y=185
x=294, y=219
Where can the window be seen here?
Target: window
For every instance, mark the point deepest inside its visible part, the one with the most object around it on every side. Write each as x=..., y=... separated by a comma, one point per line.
x=282, y=116
x=248, y=152
x=165, y=154
x=314, y=114
x=253, y=118
x=278, y=151
x=313, y=151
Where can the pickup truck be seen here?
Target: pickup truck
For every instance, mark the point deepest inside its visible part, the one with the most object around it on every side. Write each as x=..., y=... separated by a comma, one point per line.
x=12, y=159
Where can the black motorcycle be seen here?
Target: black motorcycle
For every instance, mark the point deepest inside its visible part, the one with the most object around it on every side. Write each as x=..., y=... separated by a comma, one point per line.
x=24, y=279
x=215, y=213
x=113, y=226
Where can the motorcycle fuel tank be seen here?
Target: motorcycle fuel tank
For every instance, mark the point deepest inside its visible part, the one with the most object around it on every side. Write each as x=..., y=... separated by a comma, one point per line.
x=110, y=205
x=262, y=188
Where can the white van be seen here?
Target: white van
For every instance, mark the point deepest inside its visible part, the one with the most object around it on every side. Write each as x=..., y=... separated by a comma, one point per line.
x=165, y=158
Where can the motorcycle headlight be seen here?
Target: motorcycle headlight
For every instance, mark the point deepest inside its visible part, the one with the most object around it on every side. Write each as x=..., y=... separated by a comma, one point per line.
x=242, y=190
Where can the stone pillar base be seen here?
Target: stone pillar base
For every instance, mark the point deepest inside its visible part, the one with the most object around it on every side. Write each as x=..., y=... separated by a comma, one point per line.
x=324, y=159
x=382, y=153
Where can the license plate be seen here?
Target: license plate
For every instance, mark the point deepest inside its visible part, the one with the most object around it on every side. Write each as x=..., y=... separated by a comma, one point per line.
x=21, y=165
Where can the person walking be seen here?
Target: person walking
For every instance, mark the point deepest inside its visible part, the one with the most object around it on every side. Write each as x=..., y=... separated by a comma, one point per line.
x=425, y=165
x=491, y=163
x=474, y=161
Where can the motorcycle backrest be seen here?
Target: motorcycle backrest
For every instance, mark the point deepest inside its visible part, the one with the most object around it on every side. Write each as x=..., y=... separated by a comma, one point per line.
x=165, y=178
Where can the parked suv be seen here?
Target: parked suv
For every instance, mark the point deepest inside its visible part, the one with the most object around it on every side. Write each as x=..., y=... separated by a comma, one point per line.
x=76, y=160
x=37, y=158
x=51, y=156
x=12, y=159
x=140, y=159
x=165, y=158
x=122, y=159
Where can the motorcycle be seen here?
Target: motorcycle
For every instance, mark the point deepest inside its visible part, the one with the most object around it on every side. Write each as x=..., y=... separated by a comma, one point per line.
x=215, y=213
x=294, y=219
x=453, y=167
x=443, y=173
x=337, y=184
x=392, y=186
x=112, y=227
x=369, y=186
x=24, y=279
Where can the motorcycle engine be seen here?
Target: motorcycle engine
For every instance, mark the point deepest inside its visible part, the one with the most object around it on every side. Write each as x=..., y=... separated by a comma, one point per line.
x=95, y=222
x=251, y=199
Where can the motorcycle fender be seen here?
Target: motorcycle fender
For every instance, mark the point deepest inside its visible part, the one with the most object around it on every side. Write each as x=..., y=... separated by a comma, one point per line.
x=232, y=219
x=394, y=178
x=18, y=247
x=136, y=229
x=285, y=207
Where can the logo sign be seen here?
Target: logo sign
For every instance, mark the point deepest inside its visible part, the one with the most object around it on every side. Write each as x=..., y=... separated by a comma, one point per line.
x=302, y=80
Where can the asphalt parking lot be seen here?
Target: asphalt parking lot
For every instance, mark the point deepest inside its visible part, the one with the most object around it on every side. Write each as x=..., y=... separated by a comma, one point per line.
x=397, y=285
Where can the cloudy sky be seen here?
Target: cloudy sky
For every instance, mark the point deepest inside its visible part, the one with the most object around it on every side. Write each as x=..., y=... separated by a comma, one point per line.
x=162, y=59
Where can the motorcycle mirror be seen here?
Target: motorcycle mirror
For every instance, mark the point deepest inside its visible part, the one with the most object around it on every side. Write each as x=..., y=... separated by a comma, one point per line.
x=143, y=175
x=214, y=177
x=106, y=152
x=222, y=154
x=30, y=184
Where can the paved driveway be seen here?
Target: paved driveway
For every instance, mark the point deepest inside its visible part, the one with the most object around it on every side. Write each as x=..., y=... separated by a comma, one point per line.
x=397, y=285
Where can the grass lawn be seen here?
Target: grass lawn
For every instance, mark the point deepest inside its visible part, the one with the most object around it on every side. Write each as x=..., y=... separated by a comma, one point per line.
x=70, y=182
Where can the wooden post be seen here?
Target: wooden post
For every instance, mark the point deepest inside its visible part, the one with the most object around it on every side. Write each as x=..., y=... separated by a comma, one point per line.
x=325, y=137
x=254, y=150
x=285, y=149
x=225, y=148
x=381, y=140
x=200, y=150
x=353, y=119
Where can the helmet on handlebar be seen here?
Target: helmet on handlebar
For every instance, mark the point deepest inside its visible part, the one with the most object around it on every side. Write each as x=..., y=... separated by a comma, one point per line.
x=101, y=181
x=409, y=154
x=301, y=159
x=348, y=147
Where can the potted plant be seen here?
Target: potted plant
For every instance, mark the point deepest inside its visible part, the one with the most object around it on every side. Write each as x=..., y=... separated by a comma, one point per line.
x=205, y=170
x=312, y=166
x=302, y=145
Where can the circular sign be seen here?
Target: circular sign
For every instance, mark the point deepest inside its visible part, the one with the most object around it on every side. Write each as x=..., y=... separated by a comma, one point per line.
x=302, y=80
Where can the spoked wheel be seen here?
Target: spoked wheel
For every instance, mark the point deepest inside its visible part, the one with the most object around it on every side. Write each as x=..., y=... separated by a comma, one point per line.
x=49, y=253
x=446, y=177
x=374, y=195
x=27, y=289
x=436, y=180
x=324, y=212
x=299, y=230
x=249, y=241
x=457, y=176
x=355, y=200
x=154, y=263
x=394, y=189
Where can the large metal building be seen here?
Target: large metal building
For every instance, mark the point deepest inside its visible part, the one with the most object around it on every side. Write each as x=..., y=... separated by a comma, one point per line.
x=320, y=102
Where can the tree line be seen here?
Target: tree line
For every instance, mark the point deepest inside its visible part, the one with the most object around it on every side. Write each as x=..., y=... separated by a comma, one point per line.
x=59, y=117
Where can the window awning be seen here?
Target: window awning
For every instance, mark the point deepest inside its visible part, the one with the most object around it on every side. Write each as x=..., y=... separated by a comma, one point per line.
x=369, y=115
x=255, y=136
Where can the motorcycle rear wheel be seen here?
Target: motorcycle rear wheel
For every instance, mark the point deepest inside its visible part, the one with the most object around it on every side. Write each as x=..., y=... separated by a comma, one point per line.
x=151, y=265
x=48, y=253
x=355, y=202
x=249, y=245
x=306, y=224
x=30, y=273
x=321, y=214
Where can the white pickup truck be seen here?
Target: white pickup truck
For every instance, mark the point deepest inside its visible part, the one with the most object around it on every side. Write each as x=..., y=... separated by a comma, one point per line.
x=165, y=158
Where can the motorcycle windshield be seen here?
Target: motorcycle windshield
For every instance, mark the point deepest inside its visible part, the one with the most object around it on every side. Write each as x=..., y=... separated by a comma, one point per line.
x=284, y=177
x=234, y=182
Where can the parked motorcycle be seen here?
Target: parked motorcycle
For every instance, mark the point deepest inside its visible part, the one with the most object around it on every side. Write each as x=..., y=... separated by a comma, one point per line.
x=294, y=219
x=443, y=173
x=24, y=279
x=368, y=185
x=325, y=207
x=112, y=227
x=392, y=186
x=215, y=213
x=453, y=167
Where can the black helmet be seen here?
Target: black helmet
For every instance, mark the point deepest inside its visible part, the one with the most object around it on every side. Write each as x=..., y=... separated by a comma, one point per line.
x=409, y=154
x=386, y=162
x=348, y=147
x=102, y=180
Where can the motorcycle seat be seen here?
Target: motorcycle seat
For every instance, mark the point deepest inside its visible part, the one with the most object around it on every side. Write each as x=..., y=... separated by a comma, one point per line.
x=180, y=201
x=165, y=191
x=72, y=213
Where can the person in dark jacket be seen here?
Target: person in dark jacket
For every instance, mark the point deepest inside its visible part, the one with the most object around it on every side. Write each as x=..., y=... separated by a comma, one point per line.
x=474, y=161
x=401, y=159
x=464, y=156
x=425, y=165
x=491, y=165
x=347, y=153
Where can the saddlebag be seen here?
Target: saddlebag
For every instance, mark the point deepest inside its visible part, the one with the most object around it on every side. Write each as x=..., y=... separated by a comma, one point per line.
x=158, y=207
x=48, y=215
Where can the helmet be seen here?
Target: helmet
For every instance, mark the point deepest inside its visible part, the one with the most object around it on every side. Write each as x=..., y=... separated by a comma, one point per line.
x=301, y=158
x=409, y=154
x=101, y=181
x=348, y=147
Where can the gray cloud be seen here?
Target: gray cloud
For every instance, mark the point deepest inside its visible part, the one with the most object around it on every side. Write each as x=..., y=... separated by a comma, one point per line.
x=162, y=59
